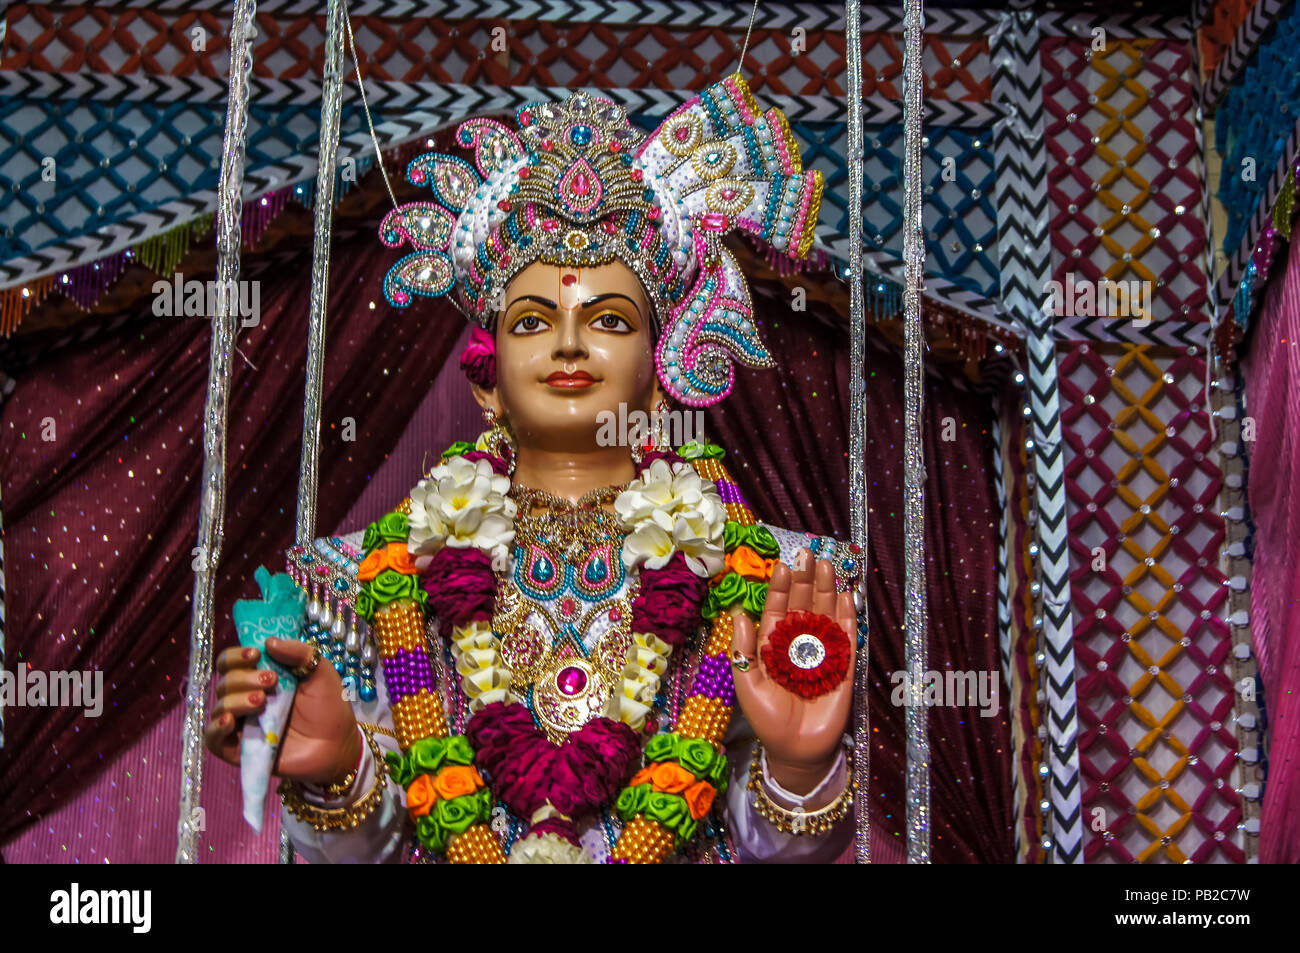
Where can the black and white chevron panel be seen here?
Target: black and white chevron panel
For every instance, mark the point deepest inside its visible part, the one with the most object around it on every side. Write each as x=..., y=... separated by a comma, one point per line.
x=1005, y=645
x=1154, y=27
x=1226, y=289
x=1026, y=267
x=386, y=96
x=1167, y=332
x=726, y=15
x=265, y=178
x=1249, y=33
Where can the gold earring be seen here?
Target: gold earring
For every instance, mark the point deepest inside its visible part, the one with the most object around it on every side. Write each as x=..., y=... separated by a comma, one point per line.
x=498, y=439
x=660, y=430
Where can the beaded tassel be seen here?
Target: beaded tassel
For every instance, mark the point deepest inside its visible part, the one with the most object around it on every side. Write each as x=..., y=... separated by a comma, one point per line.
x=707, y=711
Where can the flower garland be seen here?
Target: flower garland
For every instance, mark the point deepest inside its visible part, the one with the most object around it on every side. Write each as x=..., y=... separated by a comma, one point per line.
x=686, y=769
x=457, y=523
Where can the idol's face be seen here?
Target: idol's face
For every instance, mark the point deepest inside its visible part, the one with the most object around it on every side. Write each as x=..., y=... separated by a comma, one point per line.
x=571, y=344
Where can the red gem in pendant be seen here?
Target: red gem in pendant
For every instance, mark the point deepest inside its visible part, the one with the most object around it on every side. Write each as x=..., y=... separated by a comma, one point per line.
x=636, y=175
x=524, y=173
x=567, y=606
x=571, y=680
x=503, y=205
x=548, y=145
x=615, y=614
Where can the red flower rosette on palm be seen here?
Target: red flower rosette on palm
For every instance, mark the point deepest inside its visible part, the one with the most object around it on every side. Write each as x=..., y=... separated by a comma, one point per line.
x=807, y=654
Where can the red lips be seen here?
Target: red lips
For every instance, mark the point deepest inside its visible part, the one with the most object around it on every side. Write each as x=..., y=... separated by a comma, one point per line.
x=578, y=379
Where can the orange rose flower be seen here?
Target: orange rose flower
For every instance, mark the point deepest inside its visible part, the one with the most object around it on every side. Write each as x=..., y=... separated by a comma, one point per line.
x=671, y=777
x=699, y=798
x=392, y=556
x=455, y=780
x=420, y=796
x=642, y=777
x=747, y=563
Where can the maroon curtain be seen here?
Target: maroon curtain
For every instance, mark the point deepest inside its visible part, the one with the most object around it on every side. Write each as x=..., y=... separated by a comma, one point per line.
x=786, y=436
x=101, y=520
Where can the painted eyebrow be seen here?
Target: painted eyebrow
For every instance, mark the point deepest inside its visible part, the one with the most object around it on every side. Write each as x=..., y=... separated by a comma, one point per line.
x=544, y=302
x=605, y=297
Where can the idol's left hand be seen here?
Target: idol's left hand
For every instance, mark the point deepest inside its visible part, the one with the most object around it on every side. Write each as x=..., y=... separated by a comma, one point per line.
x=800, y=735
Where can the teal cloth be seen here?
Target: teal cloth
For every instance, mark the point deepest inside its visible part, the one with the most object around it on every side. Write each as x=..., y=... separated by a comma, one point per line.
x=279, y=614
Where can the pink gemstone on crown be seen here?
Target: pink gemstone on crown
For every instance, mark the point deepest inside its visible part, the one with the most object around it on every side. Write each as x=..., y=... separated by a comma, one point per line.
x=571, y=680
x=417, y=175
x=550, y=224
x=567, y=606
x=681, y=133
x=401, y=297
x=714, y=221
x=729, y=194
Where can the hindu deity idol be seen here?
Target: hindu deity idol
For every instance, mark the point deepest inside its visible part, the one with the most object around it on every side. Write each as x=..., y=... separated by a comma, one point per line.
x=562, y=647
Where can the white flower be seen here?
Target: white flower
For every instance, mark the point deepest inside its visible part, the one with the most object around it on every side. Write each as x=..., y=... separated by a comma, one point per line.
x=547, y=849
x=461, y=505
x=672, y=509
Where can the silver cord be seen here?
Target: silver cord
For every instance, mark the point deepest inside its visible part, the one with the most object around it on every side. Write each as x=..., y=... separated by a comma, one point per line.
x=740, y=68
x=356, y=63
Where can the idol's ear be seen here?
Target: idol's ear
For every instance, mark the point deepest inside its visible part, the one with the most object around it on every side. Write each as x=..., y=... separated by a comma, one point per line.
x=487, y=398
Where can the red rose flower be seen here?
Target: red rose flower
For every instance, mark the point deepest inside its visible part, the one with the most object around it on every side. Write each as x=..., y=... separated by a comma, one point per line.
x=820, y=659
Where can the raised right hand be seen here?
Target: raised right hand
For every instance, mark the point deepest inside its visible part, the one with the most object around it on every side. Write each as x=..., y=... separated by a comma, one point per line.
x=321, y=743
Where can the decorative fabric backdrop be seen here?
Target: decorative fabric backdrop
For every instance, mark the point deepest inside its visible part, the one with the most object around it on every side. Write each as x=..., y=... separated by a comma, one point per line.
x=1272, y=372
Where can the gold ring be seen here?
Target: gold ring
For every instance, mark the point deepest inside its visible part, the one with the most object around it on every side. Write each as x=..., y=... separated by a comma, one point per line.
x=306, y=668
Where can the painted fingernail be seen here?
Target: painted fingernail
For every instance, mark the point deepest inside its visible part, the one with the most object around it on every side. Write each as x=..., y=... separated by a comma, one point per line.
x=266, y=678
x=255, y=698
x=250, y=653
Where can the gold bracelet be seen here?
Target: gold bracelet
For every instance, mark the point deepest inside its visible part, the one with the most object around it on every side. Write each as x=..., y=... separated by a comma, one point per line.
x=798, y=822
x=338, y=818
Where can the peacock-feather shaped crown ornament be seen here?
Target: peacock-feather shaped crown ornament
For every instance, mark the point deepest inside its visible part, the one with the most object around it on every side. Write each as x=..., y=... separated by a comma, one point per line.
x=578, y=185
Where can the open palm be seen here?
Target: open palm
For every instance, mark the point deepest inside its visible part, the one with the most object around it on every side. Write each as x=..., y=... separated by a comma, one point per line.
x=796, y=731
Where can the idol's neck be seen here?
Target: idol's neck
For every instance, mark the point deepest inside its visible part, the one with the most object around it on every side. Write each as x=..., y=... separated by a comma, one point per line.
x=569, y=475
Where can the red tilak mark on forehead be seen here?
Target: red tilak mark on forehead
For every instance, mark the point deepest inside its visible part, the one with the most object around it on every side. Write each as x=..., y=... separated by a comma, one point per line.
x=569, y=279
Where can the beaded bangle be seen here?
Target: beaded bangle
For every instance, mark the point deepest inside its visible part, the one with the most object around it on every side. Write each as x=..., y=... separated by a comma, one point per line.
x=798, y=822
x=337, y=818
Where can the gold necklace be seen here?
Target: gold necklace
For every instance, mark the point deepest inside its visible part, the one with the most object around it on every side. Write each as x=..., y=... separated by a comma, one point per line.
x=573, y=526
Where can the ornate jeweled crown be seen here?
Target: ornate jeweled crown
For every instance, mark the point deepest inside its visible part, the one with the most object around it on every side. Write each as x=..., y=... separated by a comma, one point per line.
x=579, y=185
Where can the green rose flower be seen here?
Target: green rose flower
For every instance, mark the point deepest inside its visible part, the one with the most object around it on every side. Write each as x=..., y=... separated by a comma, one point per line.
x=660, y=747
x=718, y=775
x=756, y=537
x=632, y=801
x=457, y=449
x=483, y=797
x=431, y=834
x=427, y=755
x=722, y=595
x=456, y=815
x=696, y=451
x=399, y=767
x=391, y=585
x=755, y=596
x=365, y=605
x=696, y=755
x=458, y=750
x=670, y=810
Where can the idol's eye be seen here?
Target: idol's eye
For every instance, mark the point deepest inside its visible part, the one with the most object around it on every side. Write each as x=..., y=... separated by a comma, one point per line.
x=612, y=321
x=530, y=322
